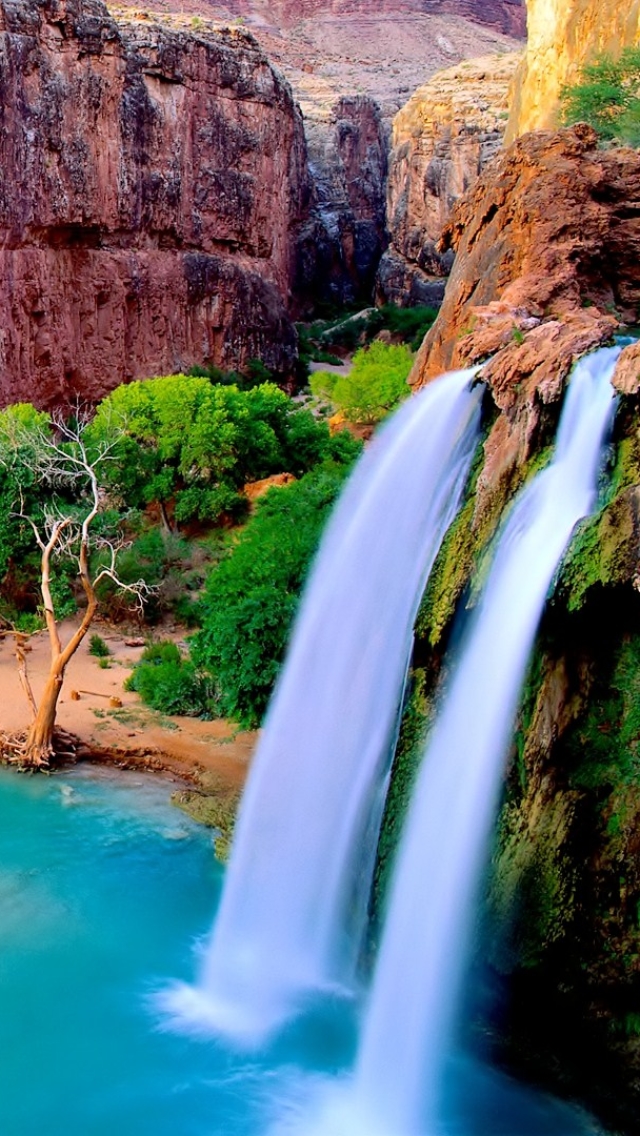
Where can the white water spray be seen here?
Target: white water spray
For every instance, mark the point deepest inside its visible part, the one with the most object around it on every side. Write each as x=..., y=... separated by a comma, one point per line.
x=409, y=1029
x=293, y=910
x=408, y=1034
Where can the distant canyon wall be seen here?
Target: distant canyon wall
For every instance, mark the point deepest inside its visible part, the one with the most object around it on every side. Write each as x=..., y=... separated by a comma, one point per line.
x=508, y=16
x=442, y=139
x=345, y=233
x=151, y=189
x=563, y=35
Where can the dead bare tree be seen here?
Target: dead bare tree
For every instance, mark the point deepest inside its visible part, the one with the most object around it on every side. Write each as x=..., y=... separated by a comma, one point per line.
x=67, y=469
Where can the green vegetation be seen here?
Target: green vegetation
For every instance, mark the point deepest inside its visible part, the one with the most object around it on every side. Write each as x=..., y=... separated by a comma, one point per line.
x=251, y=597
x=168, y=682
x=409, y=751
x=189, y=445
x=607, y=96
x=98, y=648
x=375, y=386
x=325, y=341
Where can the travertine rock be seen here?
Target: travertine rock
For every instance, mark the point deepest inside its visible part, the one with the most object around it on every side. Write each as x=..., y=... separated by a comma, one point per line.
x=549, y=236
x=562, y=35
x=442, y=139
x=151, y=184
x=548, y=262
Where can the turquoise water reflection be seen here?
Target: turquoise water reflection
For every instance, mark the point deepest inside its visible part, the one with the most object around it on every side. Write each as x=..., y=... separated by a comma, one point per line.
x=104, y=890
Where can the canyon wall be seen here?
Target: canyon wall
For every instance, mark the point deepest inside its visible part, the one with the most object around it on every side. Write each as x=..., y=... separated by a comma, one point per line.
x=508, y=16
x=345, y=234
x=548, y=267
x=151, y=185
x=563, y=35
x=442, y=139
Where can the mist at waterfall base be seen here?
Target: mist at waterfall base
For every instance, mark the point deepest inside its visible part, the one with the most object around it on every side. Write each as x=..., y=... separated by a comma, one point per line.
x=104, y=889
x=407, y=1078
x=294, y=908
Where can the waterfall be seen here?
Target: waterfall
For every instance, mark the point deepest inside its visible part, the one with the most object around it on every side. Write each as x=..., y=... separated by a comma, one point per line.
x=408, y=1032
x=293, y=910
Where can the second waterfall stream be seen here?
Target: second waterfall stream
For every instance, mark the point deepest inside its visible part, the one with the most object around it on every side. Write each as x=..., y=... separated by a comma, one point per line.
x=408, y=1033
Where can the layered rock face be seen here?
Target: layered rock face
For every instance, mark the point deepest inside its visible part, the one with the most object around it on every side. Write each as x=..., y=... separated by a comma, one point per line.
x=442, y=139
x=507, y=16
x=547, y=244
x=548, y=248
x=562, y=36
x=345, y=235
x=150, y=188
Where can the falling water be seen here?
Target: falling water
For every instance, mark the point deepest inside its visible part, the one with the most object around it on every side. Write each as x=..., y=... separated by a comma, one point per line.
x=409, y=1029
x=291, y=918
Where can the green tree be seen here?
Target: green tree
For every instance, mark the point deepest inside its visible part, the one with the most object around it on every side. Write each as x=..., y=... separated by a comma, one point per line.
x=376, y=384
x=55, y=476
x=251, y=597
x=607, y=96
x=190, y=445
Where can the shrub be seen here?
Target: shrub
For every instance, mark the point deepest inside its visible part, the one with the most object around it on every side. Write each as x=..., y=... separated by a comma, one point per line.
x=252, y=596
x=98, y=648
x=607, y=97
x=376, y=384
x=169, y=683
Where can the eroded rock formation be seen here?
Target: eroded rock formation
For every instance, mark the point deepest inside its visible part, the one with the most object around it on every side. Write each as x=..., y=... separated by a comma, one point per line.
x=561, y=37
x=151, y=183
x=442, y=139
x=507, y=16
x=548, y=244
x=343, y=240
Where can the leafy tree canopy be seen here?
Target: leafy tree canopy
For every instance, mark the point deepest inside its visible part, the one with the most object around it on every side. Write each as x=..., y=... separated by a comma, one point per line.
x=195, y=443
x=607, y=96
x=376, y=384
x=251, y=597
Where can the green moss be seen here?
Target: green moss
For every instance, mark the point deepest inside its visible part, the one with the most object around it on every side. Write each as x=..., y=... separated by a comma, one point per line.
x=467, y=549
x=604, y=550
x=215, y=810
x=409, y=751
x=604, y=746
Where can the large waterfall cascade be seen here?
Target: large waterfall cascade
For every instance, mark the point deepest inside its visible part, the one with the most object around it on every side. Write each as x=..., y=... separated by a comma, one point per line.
x=293, y=910
x=409, y=1027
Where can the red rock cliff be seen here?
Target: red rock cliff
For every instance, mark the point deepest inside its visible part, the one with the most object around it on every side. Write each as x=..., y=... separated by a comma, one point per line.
x=151, y=183
x=444, y=136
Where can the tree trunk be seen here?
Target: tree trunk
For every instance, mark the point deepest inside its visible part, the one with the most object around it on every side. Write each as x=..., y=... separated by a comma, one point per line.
x=38, y=747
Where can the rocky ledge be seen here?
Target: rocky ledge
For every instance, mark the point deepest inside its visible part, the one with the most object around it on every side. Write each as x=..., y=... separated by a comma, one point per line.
x=548, y=267
x=151, y=185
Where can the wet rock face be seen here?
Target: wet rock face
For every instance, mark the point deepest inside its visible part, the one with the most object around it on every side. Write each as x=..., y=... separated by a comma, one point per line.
x=345, y=235
x=547, y=265
x=150, y=188
x=442, y=140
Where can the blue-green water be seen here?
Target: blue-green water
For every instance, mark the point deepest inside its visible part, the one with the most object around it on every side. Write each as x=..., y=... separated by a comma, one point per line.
x=105, y=889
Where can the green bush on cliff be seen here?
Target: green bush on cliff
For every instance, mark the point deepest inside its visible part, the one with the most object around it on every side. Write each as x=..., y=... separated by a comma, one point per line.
x=376, y=384
x=251, y=597
x=607, y=96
